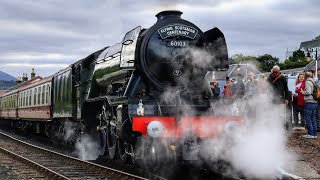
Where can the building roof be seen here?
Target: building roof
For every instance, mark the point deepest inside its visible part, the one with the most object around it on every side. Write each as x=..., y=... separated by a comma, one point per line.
x=310, y=44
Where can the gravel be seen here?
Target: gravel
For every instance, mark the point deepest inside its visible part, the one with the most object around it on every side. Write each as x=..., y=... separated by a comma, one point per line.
x=308, y=149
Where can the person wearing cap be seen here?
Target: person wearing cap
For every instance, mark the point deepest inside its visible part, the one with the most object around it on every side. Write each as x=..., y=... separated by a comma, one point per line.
x=281, y=95
x=280, y=86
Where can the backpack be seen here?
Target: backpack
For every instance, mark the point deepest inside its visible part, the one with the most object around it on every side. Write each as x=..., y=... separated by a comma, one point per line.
x=316, y=91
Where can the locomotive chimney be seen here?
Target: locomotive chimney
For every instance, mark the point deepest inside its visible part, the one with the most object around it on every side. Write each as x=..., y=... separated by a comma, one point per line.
x=169, y=14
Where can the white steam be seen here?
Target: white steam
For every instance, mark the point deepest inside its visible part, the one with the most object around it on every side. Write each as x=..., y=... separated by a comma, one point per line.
x=87, y=148
x=257, y=148
x=70, y=130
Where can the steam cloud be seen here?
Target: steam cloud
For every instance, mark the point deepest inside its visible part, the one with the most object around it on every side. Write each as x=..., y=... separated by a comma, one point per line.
x=256, y=149
x=87, y=148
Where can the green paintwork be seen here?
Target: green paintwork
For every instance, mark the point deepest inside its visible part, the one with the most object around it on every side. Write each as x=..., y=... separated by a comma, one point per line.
x=63, y=94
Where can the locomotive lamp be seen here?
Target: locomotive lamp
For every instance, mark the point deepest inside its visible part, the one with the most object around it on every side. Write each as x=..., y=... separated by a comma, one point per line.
x=140, y=109
x=155, y=129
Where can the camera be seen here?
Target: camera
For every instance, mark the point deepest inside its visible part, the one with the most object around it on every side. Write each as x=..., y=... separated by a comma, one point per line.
x=211, y=83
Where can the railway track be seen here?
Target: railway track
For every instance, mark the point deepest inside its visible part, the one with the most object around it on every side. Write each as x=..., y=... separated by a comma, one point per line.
x=32, y=162
x=45, y=164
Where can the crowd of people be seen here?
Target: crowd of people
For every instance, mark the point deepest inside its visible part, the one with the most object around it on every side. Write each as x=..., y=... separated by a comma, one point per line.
x=305, y=106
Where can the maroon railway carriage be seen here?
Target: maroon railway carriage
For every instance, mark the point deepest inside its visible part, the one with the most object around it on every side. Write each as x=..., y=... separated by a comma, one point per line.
x=28, y=103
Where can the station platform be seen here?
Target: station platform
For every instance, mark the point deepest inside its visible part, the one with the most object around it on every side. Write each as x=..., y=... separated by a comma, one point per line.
x=305, y=155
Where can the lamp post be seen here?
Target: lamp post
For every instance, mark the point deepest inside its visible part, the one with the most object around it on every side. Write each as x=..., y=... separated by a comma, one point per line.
x=239, y=68
x=316, y=58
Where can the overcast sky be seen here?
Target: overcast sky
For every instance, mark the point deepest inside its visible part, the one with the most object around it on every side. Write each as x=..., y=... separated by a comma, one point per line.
x=51, y=34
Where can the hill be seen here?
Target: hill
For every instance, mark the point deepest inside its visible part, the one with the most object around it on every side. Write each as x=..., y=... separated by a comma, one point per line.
x=6, y=80
x=6, y=84
x=6, y=77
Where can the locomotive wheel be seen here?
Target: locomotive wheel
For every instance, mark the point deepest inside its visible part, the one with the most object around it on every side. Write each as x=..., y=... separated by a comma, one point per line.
x=122, y=147
x=139, y=158
x=102, y=141
x=111, y=142
x=147, y=154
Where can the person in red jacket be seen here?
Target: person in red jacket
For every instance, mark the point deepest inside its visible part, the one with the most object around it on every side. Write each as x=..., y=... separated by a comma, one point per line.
x=298, y=103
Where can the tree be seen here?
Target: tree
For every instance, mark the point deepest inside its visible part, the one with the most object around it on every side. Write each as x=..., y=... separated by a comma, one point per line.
x=298, y=55
x=297, y=60
x=267, y=61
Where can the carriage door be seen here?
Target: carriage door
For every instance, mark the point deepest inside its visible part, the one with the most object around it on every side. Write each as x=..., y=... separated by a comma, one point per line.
x=78, y=90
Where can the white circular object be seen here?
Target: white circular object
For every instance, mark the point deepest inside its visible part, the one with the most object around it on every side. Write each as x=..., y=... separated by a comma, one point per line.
x=155, y=129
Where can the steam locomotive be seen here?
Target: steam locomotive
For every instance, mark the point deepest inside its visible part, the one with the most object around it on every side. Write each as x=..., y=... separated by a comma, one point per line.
x=143, y=98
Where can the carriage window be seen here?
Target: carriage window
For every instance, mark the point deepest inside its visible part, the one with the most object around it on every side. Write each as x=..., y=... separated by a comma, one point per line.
x=24, y=99
x=43, y=88
x=19, y=100
x=30, y=95
x=35, y=96
x=27, y=98
x=47, y=94
x=39, y=93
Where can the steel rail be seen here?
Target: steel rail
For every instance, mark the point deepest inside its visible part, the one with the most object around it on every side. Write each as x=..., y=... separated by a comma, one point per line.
x=43, y=170
x=74, y=161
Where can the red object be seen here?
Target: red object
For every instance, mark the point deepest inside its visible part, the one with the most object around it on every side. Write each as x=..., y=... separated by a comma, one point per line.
x=300, y=98
x=227, y=92
x=200, y=126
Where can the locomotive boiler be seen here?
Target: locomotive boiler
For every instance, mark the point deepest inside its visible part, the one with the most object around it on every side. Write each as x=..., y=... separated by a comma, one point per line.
x=145, y=99
x=150, y=95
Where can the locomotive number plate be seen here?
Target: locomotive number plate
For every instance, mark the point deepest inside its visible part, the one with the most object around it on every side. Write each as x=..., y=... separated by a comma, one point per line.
x=178, y=43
